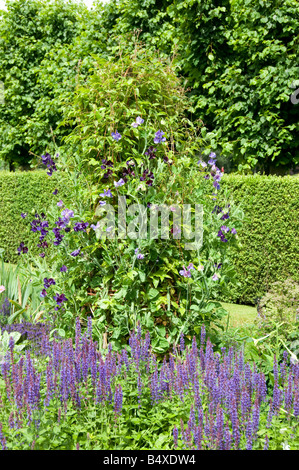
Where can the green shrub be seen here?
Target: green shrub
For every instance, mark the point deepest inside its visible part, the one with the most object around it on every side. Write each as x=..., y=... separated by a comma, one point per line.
x=269, y=235
x=26, y=192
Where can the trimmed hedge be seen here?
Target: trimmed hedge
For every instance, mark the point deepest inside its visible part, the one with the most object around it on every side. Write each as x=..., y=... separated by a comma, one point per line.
x=24, y=192
x=268, y=238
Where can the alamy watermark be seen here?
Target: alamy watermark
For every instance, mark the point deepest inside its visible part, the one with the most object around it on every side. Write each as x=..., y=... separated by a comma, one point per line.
x=133, y=222
x=2, y=100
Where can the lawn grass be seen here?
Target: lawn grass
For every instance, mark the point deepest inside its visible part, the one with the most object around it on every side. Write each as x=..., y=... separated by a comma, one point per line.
x=240, y=315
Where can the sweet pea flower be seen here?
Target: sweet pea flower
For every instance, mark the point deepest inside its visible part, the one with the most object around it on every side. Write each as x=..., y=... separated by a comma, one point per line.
x=106, y=193
x=140, y=256
x=201, y=163
x=138, y=122
x=159, y=137
x=63, y=268
x=116, y=136
x=23, y=215
x=212, y=159
x=215, y=277
x=60, y=204
x=119, y=183
x=233, y=231
x=2, y=289
x=67, y=213
x=95, y=227
x=186, y=272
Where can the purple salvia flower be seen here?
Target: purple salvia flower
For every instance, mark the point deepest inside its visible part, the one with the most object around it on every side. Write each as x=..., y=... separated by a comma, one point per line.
x=255, y=419
x=249, y=431
x=182, y=342
x=227, y=438
x=296, y=403
x=266, y=445
x=118, y=400
x=175, y=437
x=2, y=438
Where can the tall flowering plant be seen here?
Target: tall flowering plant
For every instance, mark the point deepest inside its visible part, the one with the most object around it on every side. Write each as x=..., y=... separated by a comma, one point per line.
x=111, y=265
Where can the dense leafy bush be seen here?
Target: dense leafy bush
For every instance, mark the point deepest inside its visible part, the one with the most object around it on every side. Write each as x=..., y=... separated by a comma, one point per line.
x=27, y=193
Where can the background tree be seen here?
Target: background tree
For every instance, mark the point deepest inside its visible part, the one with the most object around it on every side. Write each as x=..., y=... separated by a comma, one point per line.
x=239, y=57
x=29, y=29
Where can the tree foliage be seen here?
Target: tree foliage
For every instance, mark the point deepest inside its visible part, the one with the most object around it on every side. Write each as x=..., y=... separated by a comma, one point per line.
x=29, y=30
x=239, y=57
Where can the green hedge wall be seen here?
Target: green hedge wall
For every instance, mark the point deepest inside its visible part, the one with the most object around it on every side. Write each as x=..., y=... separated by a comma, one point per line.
x=24, y=192
x=268, y=238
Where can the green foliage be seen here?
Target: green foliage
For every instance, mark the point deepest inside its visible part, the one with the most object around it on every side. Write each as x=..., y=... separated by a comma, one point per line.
x=269, y=227
x=269, y=234
x=21, y=297
x=280, y=307
x=5, y=338
x=107, y=278
x=26, y=192
x=239, y=57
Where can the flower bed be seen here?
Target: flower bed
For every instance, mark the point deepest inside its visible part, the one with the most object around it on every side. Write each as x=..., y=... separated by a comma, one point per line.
x=74, y=396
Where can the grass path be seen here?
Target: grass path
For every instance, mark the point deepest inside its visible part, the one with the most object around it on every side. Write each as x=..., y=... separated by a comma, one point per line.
x=240, y=315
